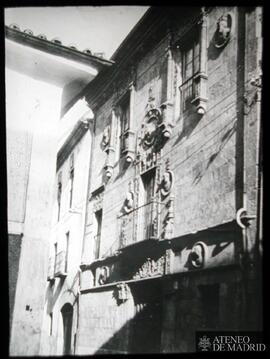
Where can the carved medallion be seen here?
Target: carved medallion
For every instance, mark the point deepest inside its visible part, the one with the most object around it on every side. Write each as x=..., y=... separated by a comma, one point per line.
x=223, y=31
x=167, y=183
x=128, y=203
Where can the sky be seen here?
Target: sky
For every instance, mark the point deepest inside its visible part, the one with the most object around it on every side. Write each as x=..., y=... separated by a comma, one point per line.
x=99, y=28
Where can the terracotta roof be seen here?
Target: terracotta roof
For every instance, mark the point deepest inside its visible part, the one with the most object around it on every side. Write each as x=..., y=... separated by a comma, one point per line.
x=13, y=30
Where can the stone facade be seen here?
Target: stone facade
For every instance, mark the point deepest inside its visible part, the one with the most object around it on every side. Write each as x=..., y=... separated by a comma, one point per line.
x=67, y=231
x=176, y=259
x=170, y=244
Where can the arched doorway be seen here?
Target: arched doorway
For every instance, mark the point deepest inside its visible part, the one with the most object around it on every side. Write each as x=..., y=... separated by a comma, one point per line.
x=67, y=315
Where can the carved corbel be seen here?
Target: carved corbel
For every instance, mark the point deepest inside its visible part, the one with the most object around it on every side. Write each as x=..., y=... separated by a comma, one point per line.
x=123, y=292
x=166, y=125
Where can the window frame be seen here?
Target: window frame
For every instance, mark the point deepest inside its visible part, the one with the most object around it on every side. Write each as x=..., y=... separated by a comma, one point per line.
x=124, y=108
x=192, y=42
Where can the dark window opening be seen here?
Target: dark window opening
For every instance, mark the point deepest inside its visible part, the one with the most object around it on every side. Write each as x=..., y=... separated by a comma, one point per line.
x=67, y=252
x=51, y=323
x=98, y=216
x=148, y=179
x=190, y=68
x=67, y=314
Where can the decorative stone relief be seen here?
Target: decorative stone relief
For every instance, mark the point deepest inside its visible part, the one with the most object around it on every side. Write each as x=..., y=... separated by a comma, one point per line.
x=198, y=255
x=167, y=181
x=169, y=220
x=128, y=205
x=103, y=275
x=157, y=126
x=129, y=202
x=151, y=268
x=123, y=236
x=223, y=31
x=136, y=203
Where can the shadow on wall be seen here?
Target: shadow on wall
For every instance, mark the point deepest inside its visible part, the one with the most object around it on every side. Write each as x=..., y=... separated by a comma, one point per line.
x=131, y=338
x=190, y=121
x=68, y=93
x=147, y=332
x=225, y=138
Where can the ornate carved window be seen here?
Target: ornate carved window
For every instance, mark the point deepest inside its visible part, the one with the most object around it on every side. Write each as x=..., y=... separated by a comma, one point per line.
x=149, y=211
x=98, y=220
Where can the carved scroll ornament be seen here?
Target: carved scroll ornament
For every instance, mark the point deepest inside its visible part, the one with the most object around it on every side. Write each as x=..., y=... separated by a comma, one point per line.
x=198, y=255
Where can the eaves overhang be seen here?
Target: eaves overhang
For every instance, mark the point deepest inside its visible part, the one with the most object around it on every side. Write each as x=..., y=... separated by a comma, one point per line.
x=55, y=48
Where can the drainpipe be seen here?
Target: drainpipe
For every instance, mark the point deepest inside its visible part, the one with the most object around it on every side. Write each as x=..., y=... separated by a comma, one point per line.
x=250, y=251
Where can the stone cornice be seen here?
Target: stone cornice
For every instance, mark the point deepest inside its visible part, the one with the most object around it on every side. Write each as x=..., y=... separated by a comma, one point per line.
x=143, y=37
